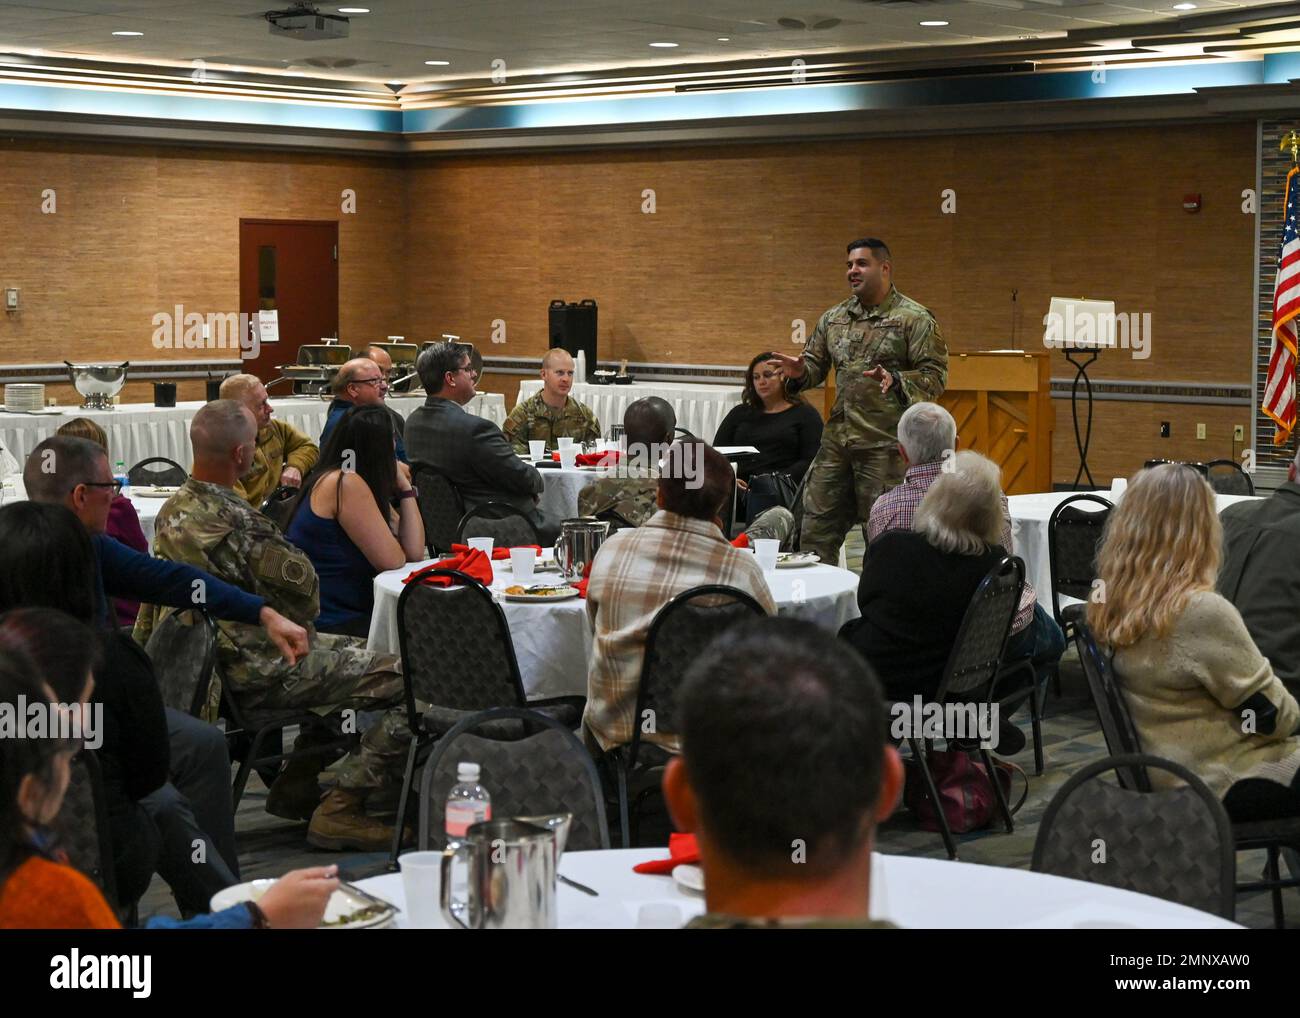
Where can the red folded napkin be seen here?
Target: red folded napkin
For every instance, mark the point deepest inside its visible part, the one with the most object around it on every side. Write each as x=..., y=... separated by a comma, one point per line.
x=497, y=553
x=594, y=459
x=472, y=562
x=581, y=585
x=682, y=850
x=741, y=542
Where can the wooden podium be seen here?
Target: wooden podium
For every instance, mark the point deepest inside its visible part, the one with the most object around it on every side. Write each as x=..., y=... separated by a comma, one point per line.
x=1001, y=400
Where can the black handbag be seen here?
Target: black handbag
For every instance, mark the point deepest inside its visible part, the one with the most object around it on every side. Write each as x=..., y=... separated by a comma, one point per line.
x=771, y=489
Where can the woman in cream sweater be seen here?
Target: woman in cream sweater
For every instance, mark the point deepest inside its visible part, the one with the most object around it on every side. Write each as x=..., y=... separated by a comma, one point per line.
x=1200, y=692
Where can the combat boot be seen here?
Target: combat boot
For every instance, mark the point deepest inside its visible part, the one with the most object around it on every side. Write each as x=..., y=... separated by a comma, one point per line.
x=340, y=822
x=295, y=793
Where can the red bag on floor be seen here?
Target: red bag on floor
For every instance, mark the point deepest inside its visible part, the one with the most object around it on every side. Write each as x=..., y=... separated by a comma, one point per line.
x=964, y=790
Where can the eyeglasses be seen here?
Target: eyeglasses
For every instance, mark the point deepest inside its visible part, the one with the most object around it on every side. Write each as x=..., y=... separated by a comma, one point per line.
x=368, y=381
x=115, y=485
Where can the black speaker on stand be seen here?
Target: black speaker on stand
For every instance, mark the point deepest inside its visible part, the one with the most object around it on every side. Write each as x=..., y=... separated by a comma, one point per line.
x=573, y=328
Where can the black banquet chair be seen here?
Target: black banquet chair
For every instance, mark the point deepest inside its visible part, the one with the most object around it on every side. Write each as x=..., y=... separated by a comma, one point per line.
x=440, y=505
x=1073, y=534
x=1122, y=741
x=157, y=470
x=507, y=526
x=1175, y=843
x=1228, y=477
x=459, y=659
x=677, y=636
x=546, y=772
x=974, y=663
x=81, y=828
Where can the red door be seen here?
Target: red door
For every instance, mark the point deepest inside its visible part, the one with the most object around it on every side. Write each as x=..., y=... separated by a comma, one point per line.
x=291, y=267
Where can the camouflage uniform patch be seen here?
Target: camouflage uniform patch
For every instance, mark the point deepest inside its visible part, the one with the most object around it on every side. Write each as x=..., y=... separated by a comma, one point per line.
x=210, y=527
x=534, y=421
x=859, y=457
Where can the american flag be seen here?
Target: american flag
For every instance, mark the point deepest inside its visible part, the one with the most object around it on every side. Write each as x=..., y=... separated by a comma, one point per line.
x=1279, y=388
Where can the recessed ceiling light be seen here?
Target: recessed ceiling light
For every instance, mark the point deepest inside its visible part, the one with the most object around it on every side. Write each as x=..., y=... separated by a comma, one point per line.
x=128, y=33
x=438, y=63
x=664, y=45
x=724, y=38
x=354, y=10
x=1184, y=7
x=395, y=83
x=933, y=24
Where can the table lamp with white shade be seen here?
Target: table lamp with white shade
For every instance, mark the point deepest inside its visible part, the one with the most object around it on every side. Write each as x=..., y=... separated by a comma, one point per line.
x=1082, y=328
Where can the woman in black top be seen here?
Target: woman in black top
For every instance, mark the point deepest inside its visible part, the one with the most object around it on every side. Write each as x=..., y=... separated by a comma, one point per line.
x=785, y=430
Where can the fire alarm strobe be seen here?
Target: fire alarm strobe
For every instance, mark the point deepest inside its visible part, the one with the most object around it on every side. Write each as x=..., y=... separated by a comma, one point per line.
x=1192, y=202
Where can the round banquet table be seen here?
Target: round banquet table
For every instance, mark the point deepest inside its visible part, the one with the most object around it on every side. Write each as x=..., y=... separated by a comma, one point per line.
x=1029, y=516
x=910, y=891
x=560, y=498
x=553, y=641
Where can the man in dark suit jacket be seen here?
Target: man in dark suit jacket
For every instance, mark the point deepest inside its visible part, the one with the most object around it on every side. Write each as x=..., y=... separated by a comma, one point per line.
x=1261, y=573
x=470, y=450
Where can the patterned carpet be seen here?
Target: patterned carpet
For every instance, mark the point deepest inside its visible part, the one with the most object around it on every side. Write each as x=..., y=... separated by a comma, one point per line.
x=269, y=846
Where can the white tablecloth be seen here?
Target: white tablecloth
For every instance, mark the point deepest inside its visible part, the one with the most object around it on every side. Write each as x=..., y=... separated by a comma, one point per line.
x=560, y=499
x=913, y=892
x=137, y=431
x=699, y=408
x=145, y=508
x=1029, y=516
x=553, y=641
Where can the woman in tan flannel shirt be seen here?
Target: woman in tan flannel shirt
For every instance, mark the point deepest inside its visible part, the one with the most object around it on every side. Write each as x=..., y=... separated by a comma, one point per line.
x=1200, y=692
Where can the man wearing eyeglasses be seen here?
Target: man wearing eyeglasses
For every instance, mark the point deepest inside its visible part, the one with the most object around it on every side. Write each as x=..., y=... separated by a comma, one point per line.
x=362, y=382
x=470, y=450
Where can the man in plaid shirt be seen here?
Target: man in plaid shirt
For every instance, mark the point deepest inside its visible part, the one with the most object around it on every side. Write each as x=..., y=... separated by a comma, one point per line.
x=927, y=438
x=640, y=570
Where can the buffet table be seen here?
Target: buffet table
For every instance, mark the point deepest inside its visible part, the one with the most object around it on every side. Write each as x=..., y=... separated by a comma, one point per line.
x=699, y=408
x=137, y=431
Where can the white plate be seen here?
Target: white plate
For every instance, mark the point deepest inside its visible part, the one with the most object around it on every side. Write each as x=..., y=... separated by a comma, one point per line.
x=797, y=559
x=342, y=902
x=153, y=491
x=689, y=878
x=568, y=595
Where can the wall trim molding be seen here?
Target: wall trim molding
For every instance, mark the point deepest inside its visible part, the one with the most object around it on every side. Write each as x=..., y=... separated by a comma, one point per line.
x=140, y=371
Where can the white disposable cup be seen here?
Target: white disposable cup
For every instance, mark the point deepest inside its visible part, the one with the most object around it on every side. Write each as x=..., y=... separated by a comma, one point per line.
x=568, y=456
x=420, y=876
x=483, y=544
x=765, y=550
x=522, y=563
x=1118, y=485
x=659, y=916
x=879, y=904
x=537, y=449
x=564, y=443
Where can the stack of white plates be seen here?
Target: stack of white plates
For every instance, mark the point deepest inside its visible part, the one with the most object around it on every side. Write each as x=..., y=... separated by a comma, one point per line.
x=24, y=397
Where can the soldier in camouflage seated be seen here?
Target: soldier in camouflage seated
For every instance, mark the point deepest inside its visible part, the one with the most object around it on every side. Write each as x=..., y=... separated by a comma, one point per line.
x=551, y=414
x=207, y=525
x=631, y=493
x=785, y=772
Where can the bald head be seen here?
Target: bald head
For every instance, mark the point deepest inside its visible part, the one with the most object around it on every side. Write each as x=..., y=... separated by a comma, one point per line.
x=360, y=381
x=555, y=358
x=249, y=390
x=649, y=421
x=380, y=356
x=224, y=435
x=557, y=377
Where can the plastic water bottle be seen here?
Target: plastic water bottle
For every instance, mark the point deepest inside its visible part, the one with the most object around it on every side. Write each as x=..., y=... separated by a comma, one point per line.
x=468, y=803
x=120, y=475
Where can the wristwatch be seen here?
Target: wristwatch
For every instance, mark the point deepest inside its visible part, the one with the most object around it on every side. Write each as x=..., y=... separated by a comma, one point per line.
x=413, y=492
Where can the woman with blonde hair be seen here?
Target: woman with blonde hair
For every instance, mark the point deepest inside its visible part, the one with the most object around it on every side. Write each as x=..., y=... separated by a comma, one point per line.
x=916, y=585
x=123, y=520
x=1200, y=692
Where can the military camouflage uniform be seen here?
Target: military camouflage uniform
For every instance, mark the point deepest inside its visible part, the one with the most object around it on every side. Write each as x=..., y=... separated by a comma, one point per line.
x=632, y=494
x=532, y=421
x=859, y=457
x=279, y=445
x=210, y=527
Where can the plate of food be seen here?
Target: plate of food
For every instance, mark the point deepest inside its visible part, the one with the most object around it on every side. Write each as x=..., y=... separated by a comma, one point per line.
x=797, y=559
x=154, y=490
x=689, y=877
x=346, y=910
x=540, y=592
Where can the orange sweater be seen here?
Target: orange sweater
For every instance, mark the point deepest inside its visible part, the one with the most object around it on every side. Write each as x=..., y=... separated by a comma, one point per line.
x=44, y=895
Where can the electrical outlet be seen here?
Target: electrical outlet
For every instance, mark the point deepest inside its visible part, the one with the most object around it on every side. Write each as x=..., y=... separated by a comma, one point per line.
x=1239, y=433
x=1164, y=429
x=1200, y=431
x=11, y=299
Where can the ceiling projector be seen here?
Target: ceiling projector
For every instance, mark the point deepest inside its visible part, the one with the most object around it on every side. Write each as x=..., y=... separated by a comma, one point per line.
x=305, y=22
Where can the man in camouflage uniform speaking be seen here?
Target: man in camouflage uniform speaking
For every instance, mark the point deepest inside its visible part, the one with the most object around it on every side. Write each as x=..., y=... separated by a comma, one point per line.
x=887, y=353
x=552, y=413
x=206, y=525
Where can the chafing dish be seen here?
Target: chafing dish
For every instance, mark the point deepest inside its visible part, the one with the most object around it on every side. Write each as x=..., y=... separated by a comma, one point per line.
x=317, y=365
